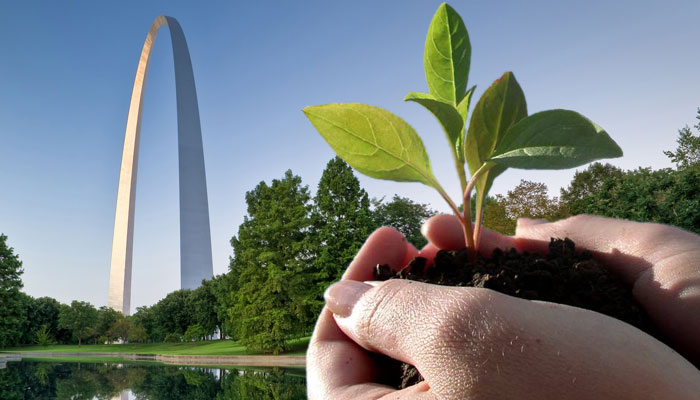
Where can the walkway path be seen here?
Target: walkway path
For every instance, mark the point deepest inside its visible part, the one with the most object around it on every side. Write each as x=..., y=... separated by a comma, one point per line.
x=248, y=361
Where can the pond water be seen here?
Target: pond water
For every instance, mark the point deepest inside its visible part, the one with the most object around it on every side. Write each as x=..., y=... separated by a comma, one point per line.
x=89, y=381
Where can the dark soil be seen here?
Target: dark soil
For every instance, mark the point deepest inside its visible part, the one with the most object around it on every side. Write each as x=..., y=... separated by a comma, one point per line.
x=563, y=276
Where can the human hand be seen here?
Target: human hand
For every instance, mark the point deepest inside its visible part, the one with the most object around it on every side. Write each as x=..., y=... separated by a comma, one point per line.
x=476, y=343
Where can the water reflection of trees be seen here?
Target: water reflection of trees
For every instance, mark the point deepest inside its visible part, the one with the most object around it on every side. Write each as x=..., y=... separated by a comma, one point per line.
x=44, y=380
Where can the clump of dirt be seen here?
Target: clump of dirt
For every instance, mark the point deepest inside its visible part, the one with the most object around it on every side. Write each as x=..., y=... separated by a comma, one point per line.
x=562, y=276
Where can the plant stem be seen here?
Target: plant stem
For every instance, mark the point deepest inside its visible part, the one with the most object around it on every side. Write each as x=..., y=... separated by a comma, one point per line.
x=477, y=226
x=467, y=220
x=472, y=237
x=460, y=170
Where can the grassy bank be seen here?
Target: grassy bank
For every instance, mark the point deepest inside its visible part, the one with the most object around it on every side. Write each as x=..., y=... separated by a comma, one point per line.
x=204, y=348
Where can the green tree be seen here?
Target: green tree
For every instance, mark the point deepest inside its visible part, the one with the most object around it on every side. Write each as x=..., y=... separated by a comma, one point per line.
x=44, y=311
x=80, y=318
x=136, y=333
x=405, y=215
x=342, y=220
x=12, y=304
x=145, y=317
x=119, y=330
x=664, y=196
x=496, y=216
x=171, y=314
x=195, y=332
x=222, y=288
x=586, y=185
x=527, y=200
x=43, y=336
x=202, y=305
x=271, y=264
x=687, y=153
x=106, y=317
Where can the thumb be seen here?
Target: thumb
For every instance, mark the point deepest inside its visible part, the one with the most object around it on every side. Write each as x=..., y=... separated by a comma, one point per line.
x=400, y=318
x=477, y=343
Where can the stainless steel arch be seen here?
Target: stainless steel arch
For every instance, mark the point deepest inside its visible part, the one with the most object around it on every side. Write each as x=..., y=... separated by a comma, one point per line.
x=195, y=236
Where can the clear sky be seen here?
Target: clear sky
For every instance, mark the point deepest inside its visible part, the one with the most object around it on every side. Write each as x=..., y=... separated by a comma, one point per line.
x=67, y=69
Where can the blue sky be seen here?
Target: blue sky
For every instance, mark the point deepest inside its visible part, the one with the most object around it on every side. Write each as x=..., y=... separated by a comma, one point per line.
x=67, y=70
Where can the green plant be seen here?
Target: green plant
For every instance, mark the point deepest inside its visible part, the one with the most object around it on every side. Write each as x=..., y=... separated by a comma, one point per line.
x=43, y=336
x=194, y=332
x=500, y=134
x=172, y=338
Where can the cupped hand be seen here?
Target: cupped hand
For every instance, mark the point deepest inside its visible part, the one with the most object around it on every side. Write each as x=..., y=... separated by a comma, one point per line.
x=479, y=344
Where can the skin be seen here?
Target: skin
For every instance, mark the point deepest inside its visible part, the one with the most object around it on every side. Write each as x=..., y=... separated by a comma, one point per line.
x=471, y=343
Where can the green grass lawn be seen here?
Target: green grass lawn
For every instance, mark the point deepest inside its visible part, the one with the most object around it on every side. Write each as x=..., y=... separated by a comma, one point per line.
x=205, y=348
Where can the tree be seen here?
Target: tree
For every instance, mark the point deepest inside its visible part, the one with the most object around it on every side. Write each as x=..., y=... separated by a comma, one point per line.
x=404, y=215
x=106, y=317
x=527, y=200
x=145, y=317
x=80, y=318
x=587, y=184
x=663, y=196
x=271, y=264
x=171, y=314
x=222, y=289
x=194, y=332
x=202, y=305
x=496, y=216
x=342, y=220
x=43, y=336
x=687, y=153
x=12, y=305
x=137, y=333
x=119, y=330
x=44, y=311
x=531, y=200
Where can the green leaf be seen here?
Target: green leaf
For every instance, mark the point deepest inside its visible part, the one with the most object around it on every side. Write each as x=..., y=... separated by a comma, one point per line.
x=554, y=139
x=451, y=120
x=502, y=105
x=463, y=110
x=374, y=141
x=447, y=56
x=463, y=106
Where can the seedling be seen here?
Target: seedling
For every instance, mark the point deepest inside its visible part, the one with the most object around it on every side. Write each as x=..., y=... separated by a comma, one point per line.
x=500, y=134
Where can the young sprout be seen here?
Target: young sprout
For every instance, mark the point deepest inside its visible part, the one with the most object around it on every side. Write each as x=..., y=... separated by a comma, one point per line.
x=500, y=134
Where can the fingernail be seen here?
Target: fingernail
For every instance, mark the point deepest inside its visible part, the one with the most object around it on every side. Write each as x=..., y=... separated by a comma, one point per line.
x=342, y=296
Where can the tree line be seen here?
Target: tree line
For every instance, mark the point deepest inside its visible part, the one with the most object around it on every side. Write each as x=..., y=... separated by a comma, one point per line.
x=291, y=246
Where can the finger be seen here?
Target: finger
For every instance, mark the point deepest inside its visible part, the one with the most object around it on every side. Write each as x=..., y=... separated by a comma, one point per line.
x=660, y=262
x=628, y=248
x=476, y=343
x=428, y=252
x=390, y=316
x=445, y=232
x=336, y=366
x=384, y=246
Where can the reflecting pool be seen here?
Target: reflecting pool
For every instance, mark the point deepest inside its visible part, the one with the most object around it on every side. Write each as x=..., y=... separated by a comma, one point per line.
x=88, y=381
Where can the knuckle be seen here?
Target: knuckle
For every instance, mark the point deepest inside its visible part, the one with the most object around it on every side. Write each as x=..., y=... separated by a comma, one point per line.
x=381, y=309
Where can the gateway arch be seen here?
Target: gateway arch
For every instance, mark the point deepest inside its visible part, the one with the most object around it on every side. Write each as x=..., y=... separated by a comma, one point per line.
x=195, y=236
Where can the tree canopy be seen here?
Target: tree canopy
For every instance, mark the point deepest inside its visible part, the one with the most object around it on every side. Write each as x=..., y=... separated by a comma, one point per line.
x=687, y=153
x=341, y=221
x=11, y=299
x=271, y=259
x=404, y=215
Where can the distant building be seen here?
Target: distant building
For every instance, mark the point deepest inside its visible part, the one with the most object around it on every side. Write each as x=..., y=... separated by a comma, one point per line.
x=195, y=236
